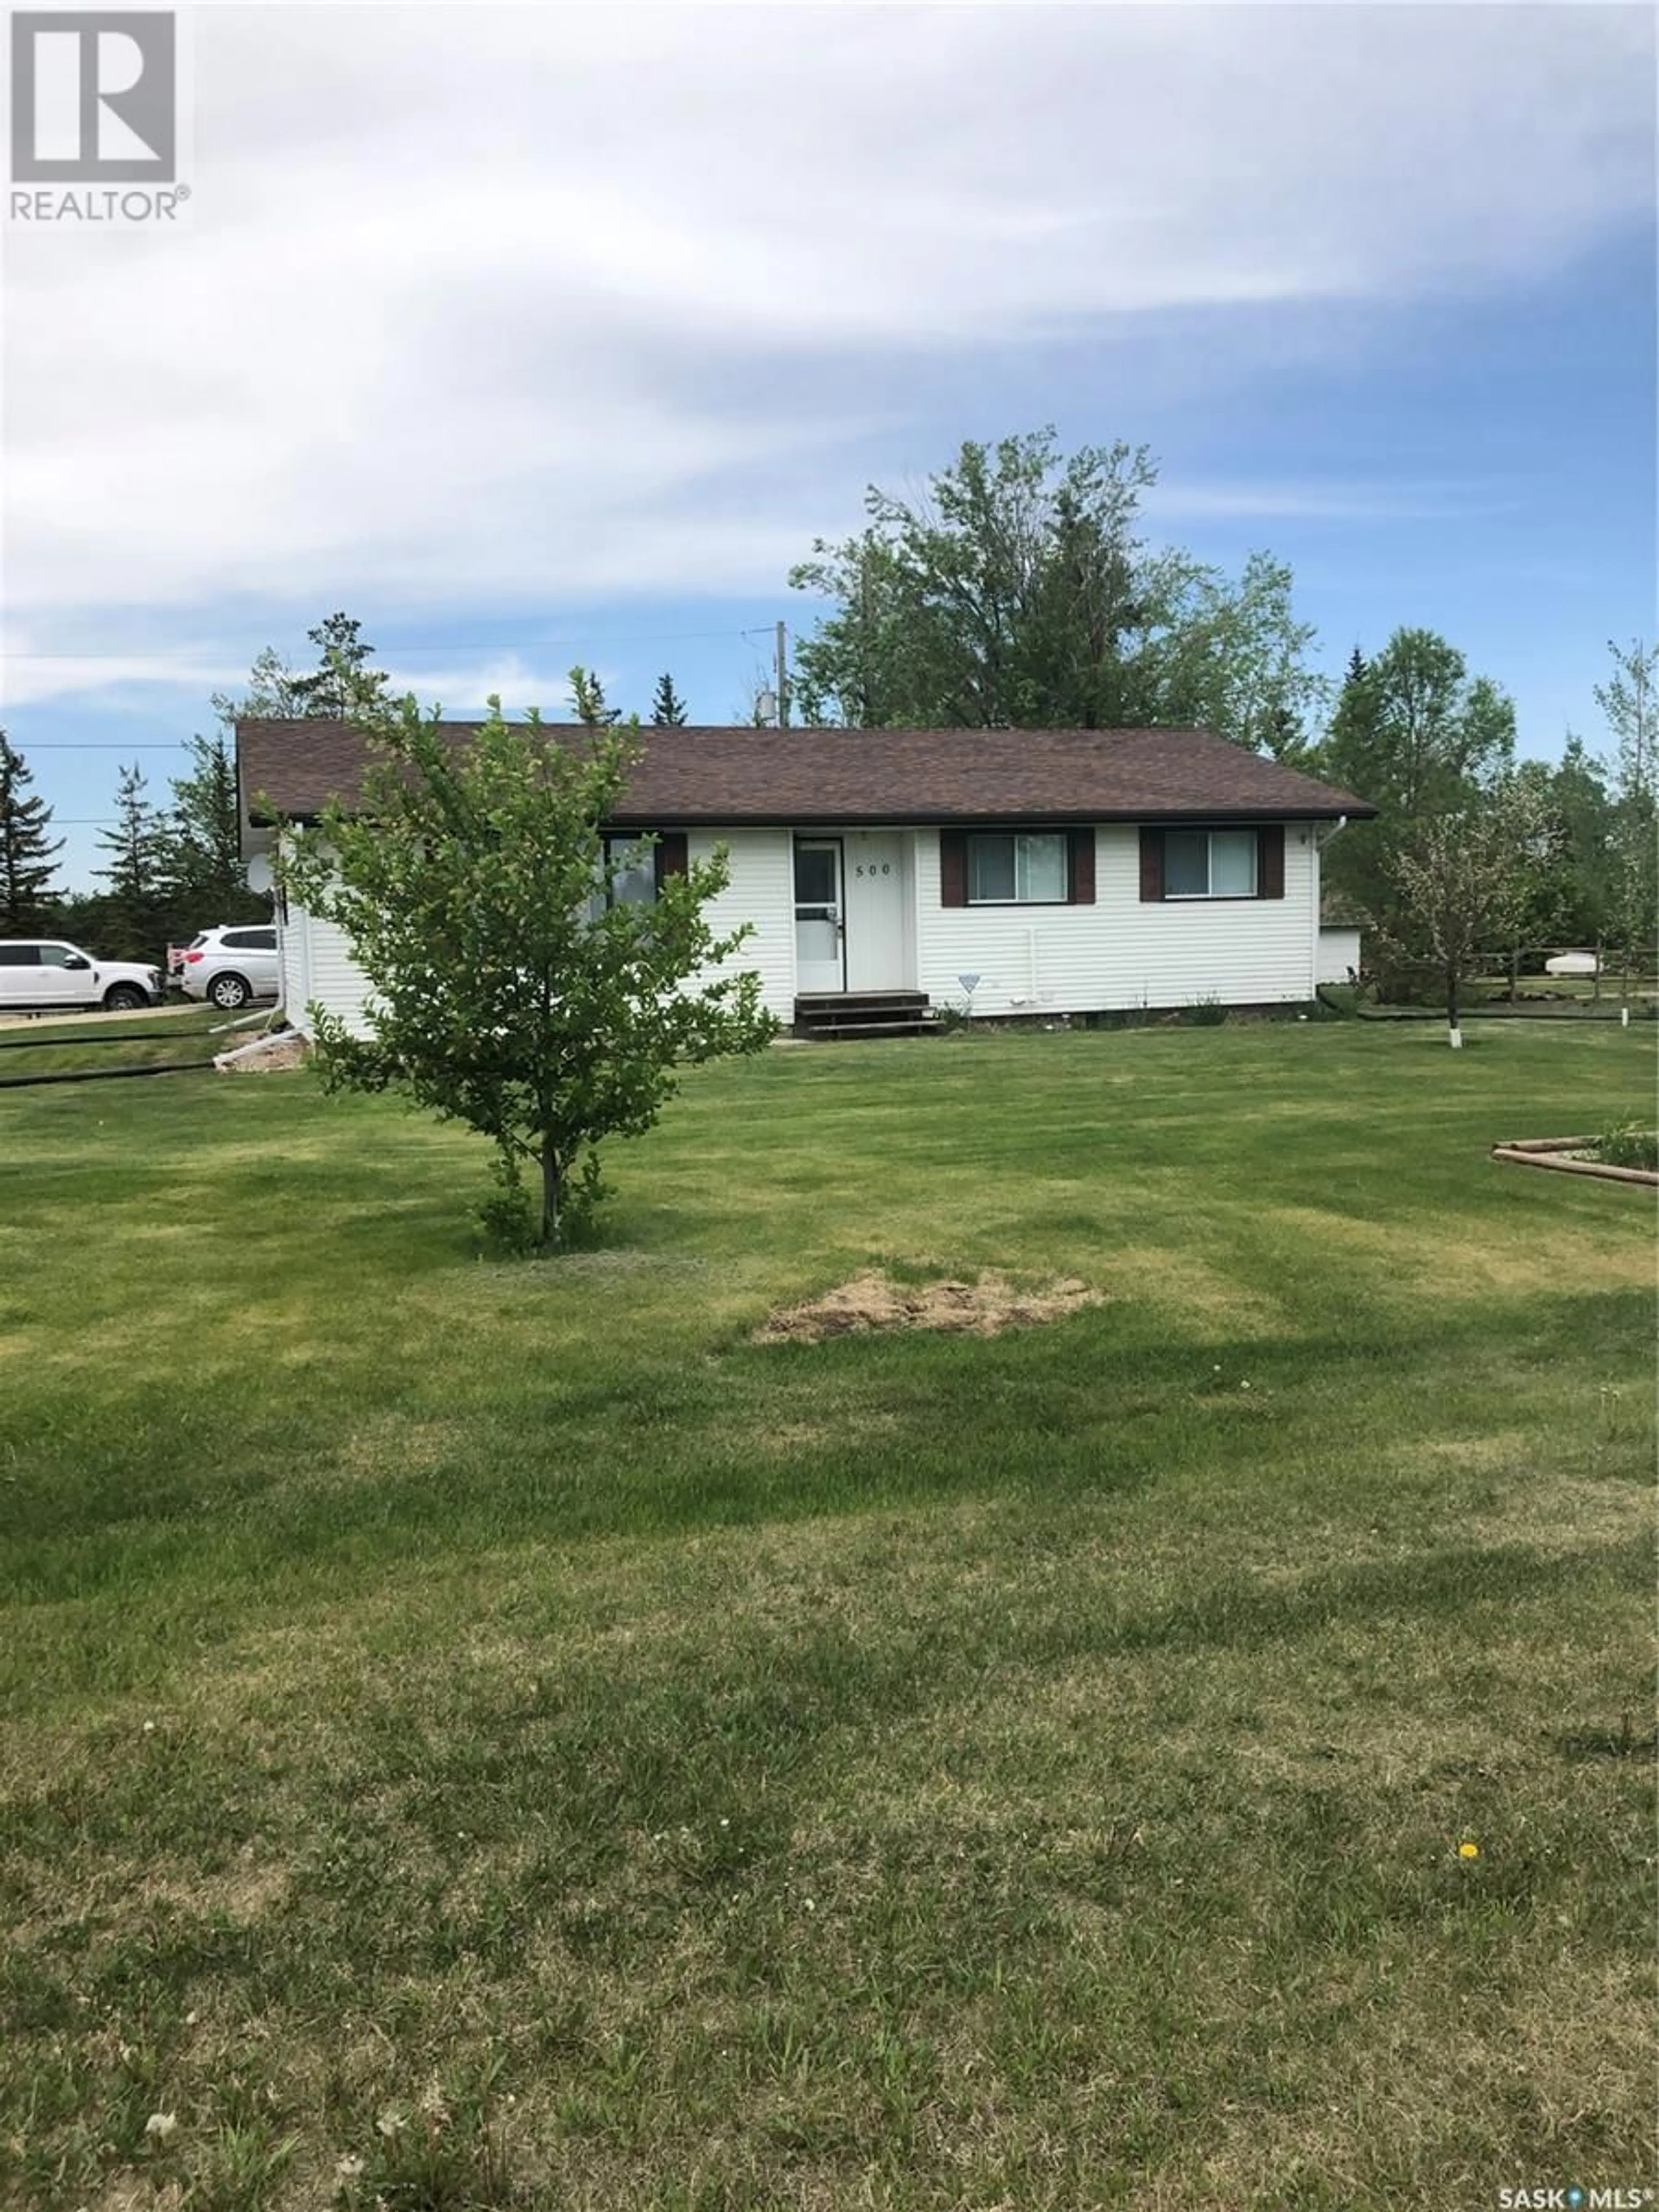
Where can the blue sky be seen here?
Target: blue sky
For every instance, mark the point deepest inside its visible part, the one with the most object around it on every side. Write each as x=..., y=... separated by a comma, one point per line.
x=451, y=344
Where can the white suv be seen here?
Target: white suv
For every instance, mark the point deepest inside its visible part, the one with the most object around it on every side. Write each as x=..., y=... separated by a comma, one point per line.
x=230, y=966
x=43, y=973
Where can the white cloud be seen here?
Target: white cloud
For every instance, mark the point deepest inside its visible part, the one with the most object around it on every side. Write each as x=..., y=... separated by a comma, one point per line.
x=1393, y=501
x=486, y=306
x=32, y=676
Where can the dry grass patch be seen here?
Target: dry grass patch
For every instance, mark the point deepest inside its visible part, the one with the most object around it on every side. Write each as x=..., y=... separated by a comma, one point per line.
x=1439, y=1263
x=992, y=1303
x=1167, y=1276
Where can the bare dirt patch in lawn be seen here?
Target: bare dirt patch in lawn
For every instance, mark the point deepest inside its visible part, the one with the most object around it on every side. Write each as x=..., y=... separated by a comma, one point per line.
x=871, y=1302
x=274, y=1055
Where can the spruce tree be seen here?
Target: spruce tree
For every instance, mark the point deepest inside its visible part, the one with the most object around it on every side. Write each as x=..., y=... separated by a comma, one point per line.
x=667, y=708
x=25, y=850
x=133, y=914
x=205, y=879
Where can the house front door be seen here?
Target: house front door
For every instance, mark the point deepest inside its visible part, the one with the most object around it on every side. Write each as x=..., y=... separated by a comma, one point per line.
x=820, y=930
x=873, y=861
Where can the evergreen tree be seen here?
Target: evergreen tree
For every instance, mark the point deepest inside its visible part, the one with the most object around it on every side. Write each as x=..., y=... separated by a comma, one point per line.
x=205, y=876
x=344, y=684
x=132, y=917
x=667, y=708
x=25, y=850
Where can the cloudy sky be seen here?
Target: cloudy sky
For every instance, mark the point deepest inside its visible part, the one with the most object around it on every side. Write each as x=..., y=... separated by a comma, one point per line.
x=536, y=334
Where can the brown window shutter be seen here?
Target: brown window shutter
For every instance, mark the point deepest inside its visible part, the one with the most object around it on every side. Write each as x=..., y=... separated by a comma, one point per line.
x=953, y=867
x=1080, y=869
x=1270, y=861
x=1151, y=864
x=672, y=855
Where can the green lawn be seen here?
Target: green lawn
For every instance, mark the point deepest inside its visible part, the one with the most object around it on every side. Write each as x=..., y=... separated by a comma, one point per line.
x=498, y=1724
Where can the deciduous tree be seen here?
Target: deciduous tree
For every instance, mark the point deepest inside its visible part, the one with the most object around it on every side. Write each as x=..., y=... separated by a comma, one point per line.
x=1420, y=738
x=1016, y=593
x=1629, y=700
x=588, y=702
x=1463, y=879
x=521, y=983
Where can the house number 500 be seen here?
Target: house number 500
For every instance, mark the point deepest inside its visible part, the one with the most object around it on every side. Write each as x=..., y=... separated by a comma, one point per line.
x=885, y=869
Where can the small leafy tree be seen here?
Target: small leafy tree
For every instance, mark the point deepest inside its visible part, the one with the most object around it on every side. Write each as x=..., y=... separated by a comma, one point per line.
x=1630, y=701
x=1463, y=880
x=516, y=987
x=667, y=708
x=27, y=852
x=588, y=701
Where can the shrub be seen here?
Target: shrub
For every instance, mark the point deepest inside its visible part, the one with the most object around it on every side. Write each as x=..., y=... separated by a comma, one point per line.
x=1206, y=1013
x=506, y=1217
x=1627, y=1145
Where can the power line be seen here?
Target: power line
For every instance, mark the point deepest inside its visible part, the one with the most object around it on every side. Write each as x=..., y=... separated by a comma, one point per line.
x=494, y=645
x=141, y=745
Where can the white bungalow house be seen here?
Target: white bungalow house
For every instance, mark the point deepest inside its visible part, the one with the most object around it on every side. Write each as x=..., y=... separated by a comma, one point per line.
x=1007, y=872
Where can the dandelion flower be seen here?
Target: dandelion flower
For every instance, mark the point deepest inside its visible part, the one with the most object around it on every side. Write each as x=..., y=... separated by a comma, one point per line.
x=1469, y=1850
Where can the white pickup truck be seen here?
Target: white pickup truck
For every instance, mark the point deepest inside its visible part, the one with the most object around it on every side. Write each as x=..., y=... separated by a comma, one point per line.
x=45, y=975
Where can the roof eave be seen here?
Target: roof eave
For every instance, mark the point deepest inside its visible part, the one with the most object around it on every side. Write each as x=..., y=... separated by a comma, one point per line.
x=1061, y=818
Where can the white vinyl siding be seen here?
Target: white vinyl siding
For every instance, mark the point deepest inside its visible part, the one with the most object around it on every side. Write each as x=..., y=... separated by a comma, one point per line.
x=1013, y=868
x=318, y=967
x=1039, y=958
x=762, y=890
x=1339, y=952
x=1121, y=951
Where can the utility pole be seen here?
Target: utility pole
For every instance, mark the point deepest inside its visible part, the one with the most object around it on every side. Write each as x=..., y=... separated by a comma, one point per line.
x=783, y=677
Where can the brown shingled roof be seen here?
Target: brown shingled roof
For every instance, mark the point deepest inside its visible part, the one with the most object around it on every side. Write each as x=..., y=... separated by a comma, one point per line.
x=813, y=778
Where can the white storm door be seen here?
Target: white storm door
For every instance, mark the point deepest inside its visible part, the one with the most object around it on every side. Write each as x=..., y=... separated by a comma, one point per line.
x=873, y=864
x=819, y=935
